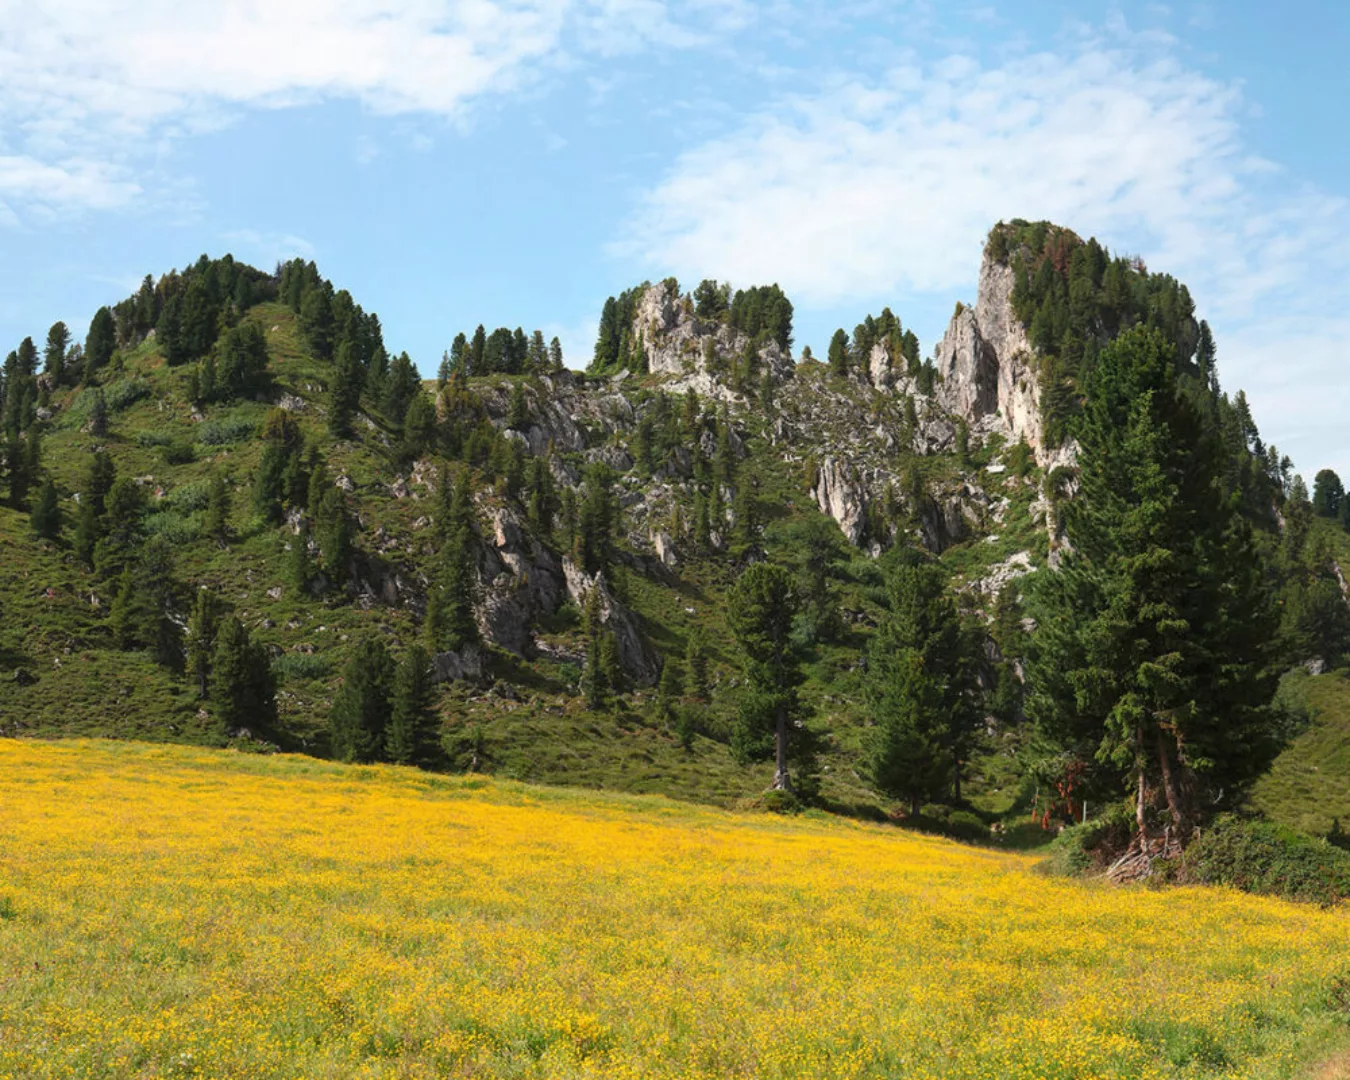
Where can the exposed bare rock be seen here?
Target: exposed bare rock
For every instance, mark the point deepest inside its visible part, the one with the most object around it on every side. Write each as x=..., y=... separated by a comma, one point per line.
x=635, y=654
x=664, y=545
x=840, y=494
x=467, y=663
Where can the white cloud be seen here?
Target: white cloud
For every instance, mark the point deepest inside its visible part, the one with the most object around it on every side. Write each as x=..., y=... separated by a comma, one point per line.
x=874, y=191
x=90, y=90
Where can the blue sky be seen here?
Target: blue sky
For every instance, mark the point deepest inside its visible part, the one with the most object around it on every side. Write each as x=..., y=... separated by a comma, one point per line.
x=516, y=161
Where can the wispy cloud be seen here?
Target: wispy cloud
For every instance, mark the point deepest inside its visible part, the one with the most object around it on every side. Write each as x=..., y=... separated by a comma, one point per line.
x=882, y=189
x=267, y=248
x=89, y=92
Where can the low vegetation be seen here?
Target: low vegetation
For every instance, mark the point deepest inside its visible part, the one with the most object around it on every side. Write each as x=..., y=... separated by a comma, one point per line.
x=170, y=911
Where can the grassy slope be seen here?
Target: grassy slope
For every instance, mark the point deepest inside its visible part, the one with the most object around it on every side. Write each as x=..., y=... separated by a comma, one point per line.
x=84, y=687
x=173, y=911
x=1309, y=784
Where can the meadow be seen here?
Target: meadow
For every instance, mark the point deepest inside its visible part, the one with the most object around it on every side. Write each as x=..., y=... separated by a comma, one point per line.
x=179, y=912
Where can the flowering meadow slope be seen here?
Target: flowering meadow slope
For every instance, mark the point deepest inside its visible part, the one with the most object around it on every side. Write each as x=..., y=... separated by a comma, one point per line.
x=174, y=912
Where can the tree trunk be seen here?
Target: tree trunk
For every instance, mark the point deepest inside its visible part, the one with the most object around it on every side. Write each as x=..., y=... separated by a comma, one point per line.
x=1139, y=817
x=781, y=780
x=1180, y=819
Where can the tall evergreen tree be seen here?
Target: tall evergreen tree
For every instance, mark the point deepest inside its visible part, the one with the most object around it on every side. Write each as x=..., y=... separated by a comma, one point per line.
x=451, y=623
x=409, y=735
x=217, y=523
x=838, y=354
x=203, y=625
x=102, y=340
x=54, y=355
x=46, y=515
x=242, y=687
x=1327, y=494
x=360, y=713
x=1153, y=657
x=770, y=717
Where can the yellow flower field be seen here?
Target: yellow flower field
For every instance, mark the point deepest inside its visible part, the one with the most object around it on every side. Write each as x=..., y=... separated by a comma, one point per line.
x=171, y=912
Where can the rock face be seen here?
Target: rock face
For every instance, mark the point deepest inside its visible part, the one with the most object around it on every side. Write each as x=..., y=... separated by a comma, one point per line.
x=634, y=653
x=987, y=365
x=840, y=494
x=675, y=340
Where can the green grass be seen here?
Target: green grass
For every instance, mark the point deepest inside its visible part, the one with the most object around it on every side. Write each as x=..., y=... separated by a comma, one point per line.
x=1309, y=784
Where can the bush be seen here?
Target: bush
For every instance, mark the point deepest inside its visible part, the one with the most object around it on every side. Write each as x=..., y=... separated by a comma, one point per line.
x=958, y=824
x=232, y=428
x=177, y=529
x=1261, y=857
x=116, y=395
x=780, y=802
x=149, y=440
x=178, y=453
x=186, y=498
x=291, y=666
x=1090, y=846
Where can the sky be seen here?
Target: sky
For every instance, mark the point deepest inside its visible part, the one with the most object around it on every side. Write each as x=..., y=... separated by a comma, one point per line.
x=514, y=162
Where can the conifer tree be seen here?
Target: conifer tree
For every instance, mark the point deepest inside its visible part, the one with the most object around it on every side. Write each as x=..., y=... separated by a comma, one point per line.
x=770, y=716
x=203, y=625
x=218, y=508
x=98, y=414
x=1327, y=494
x=451, y=623
x=242, y=687
x=920, y=687
x=360, y=713
x=102, y=340
x=344, y=395
x=670, y=689
x=594, y=677
x=1153, y=655
x=696, y=661
x=408, y=737
x=838, y=354
x=54, y=355
x=555, y=356
x=299, y=566
x=46, y=516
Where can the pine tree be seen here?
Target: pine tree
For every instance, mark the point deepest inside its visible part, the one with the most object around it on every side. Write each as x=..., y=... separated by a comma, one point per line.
x=408, y=737
x=838, y=354
x=451, y=623
x=360, y=713
x=98, y=414
x=555, y=355
x=102, y=340
x=46, y=516
x=594, y=684
x=299, y=566
x=88, y=532
x=203, y=626
x=242, y=687
x=670, y=689
x=344, y=395
x=1155, y=641
x=920, y=687
x=54, y=355
x=770, y=716
x=126, y=616
x=1327, y=494
x=217, y=523
x=696, y=661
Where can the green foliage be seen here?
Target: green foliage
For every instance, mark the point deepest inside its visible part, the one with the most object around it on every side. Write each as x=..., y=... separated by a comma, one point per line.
x=360, y=713
x=771, y=716
x=242, y=687
x=409, y=736
x=226, y=430
x=1327, y=494
x=1153, y=664
x=1261, y=857
x=46, y=516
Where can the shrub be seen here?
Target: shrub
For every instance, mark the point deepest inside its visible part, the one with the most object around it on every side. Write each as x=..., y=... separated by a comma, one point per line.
x=1261, y=857
x=116, y=396
x=178, y=453
x=186, y=498
x=177, y=529
x=149, y=440
x=292, y=666
x=1090, y=846
x=231, y=428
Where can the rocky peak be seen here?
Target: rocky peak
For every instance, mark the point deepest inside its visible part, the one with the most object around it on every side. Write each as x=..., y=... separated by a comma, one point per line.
x=987, y=365
x=676, y=342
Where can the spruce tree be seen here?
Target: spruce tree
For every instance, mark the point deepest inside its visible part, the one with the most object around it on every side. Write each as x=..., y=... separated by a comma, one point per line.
x=102, y=340
x=555, y=356
x=242, y=687
x=451, y=623
x=360, y=713
x=218, y=508
x=594, y=684
x=344, y=395
x=670, y=689
x=920, y=686
x=54, y=355
x=770, y=720
x=408, y=737
x=696, y=661
x=46, y=516
x=1153, y=657
x=202, y=628
x=838, y=354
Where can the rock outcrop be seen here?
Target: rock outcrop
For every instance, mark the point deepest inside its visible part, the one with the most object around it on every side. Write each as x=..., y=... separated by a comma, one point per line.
x=987, y=366
x=635, y=654
x=676, y=340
